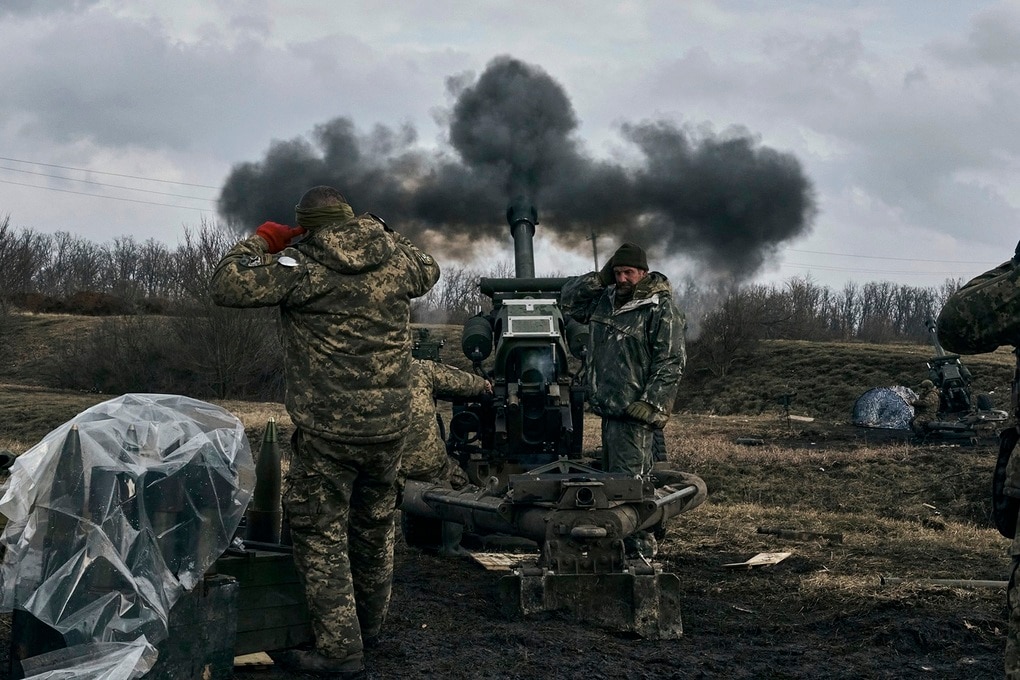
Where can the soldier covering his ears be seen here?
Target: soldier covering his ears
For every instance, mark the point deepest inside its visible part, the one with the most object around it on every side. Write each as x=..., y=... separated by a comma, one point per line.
x=344, y=293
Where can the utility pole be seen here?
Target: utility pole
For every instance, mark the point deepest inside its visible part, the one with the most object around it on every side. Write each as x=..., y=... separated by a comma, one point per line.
x=594, y=247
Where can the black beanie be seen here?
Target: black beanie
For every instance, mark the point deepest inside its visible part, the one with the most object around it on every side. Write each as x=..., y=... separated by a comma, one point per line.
x=630, y=255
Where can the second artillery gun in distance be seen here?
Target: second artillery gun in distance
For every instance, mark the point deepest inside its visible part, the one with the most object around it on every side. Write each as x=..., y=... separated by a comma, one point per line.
x=521, y=447
x=960, y=412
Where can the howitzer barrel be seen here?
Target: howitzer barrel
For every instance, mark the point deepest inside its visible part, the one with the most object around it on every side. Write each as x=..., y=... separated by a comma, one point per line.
x=933, y=332
x=522, y=218
x=524, y=251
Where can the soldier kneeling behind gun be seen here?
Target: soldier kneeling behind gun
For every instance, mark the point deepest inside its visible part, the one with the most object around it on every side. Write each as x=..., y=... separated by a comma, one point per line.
x=424, y=457
x=982, y=316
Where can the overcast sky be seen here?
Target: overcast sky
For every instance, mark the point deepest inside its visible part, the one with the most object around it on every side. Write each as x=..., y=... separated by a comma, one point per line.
x=903, y=116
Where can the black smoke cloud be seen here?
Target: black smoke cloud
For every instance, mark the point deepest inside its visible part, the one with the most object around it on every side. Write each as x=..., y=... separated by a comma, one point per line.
x=723, y=200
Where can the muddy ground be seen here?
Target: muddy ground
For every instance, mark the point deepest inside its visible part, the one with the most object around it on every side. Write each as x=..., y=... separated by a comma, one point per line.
x=782, y=621
x=824, y=612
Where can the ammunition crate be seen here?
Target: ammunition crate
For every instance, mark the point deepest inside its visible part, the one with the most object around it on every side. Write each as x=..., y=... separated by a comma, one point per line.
x=200, y=643
x=271, y=612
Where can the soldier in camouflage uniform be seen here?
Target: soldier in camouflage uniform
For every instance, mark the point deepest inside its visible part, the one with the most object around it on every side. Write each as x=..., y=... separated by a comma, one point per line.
x=344, y=293
x=926, y=408
x=982, y=316
x=636, y=355
x=424, y=457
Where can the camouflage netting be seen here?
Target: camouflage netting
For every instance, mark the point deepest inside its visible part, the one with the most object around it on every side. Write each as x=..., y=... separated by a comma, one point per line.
x=113, y=515
x=885, y=407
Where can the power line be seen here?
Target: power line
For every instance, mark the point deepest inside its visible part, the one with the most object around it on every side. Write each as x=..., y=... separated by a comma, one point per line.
x=112, y=198
x=104, y=184
x=869, y=271
x=880, y=257
x=112, y=174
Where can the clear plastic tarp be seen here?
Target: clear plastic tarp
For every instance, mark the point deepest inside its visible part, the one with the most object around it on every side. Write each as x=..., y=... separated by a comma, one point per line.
x=885, y=407
x=95, y=661
x=113, y=515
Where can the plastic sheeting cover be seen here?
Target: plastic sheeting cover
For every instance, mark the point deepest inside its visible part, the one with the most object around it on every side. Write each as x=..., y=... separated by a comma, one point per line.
x=118, y=511
x=885, y=407
x=95, y=661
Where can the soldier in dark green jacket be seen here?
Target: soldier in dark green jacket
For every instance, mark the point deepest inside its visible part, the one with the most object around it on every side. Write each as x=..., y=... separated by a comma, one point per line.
x=344, y=293
x=636, y=353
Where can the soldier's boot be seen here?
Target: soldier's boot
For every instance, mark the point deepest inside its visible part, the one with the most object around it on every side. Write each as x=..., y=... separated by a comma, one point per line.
x=312, y=662
x=451, y=535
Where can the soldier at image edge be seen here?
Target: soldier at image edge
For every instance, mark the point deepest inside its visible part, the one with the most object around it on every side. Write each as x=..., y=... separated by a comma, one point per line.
x=981, y=317
x=343, y=285
x=636, y=356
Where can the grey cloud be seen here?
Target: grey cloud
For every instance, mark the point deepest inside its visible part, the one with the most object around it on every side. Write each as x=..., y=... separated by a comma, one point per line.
x=993, y=40
x=41, y=7
x=120, y=83
x=919, y=144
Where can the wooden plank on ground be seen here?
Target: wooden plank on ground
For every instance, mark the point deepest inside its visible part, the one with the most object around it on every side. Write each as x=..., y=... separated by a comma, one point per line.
x=760, y=560
x=497, y=561
x=258, y=659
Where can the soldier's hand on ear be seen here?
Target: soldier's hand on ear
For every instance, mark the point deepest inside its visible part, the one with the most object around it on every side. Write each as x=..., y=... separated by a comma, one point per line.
x=277, y=236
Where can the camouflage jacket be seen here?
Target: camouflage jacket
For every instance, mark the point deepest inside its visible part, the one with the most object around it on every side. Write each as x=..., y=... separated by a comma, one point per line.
x=636, y=352
x=344, y=295
x=984, y=314
x=926, y=406
x=981, y=317
x=424, y=452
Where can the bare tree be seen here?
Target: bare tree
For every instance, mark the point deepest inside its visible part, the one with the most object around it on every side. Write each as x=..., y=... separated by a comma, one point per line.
x=24, y=254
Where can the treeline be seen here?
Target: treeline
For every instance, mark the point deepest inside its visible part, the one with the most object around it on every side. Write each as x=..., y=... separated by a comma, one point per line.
x=161, y=332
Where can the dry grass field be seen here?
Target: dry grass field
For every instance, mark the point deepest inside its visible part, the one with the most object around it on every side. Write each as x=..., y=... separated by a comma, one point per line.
x=874, y=523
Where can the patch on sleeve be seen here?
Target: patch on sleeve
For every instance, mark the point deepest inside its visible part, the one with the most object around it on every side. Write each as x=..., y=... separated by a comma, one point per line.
x=253, y=261
x=426, y=258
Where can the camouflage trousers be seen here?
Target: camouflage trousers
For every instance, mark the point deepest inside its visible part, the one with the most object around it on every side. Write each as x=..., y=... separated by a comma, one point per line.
x=626, y=446
x=341, y=500
x=1012, y=657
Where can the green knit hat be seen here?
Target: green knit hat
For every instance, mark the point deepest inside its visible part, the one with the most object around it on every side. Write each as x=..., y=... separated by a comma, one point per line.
x=630, y=255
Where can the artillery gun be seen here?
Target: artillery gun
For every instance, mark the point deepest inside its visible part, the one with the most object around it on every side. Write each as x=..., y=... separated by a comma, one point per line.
x=521, y=448
x=960, y=412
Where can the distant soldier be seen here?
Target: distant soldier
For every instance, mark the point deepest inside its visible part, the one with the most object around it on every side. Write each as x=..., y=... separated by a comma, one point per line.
x=982, y=316
x=636, y=354
x=424, y=457
x=344, y=292
x=926, y=408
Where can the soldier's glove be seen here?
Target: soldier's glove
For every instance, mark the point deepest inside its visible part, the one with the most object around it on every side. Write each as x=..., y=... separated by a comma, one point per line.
x=606, y=276
x=277, y=236
x=646, y=413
